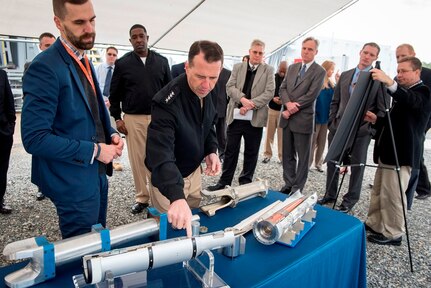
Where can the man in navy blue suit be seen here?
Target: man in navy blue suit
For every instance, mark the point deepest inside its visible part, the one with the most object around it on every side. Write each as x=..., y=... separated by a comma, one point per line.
x=177, y=69
x=65, y=125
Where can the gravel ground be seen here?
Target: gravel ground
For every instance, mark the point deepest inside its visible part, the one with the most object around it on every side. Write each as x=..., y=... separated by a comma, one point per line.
x=387, y=266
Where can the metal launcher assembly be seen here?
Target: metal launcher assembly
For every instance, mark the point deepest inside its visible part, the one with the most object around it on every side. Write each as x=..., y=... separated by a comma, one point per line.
x=230, y=196
x=45, y=256
x=283, y=223
x=108, y=265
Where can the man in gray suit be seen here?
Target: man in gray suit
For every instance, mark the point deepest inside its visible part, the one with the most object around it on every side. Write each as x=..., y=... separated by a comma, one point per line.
x=343, y=90
x=250, y=88
x=298, y=92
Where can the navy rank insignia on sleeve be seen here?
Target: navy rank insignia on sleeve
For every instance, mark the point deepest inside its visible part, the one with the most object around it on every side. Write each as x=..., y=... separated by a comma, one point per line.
x=170, y=97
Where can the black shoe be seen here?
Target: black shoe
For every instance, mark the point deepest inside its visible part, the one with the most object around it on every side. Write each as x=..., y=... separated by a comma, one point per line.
x=139, y=207
x=40, y=196
x=325, y=200
x=266, y=160
x=371, y=230
x=286, y=191
x=343, y=209
x=5, y=209
x=382, y=240
x=370, y=186
x=319, y=169
x=216, y=187
x=422, y=196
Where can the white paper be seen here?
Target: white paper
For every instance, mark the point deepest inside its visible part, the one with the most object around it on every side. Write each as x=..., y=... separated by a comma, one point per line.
x=248, y=116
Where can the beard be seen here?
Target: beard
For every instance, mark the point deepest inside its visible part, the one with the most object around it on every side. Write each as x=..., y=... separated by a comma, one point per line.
x=78, y=41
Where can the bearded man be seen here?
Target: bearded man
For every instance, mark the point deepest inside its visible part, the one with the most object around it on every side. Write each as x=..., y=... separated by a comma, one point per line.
x=65, y=125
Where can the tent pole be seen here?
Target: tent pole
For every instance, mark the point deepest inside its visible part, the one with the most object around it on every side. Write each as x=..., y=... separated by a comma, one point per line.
x=176, y=24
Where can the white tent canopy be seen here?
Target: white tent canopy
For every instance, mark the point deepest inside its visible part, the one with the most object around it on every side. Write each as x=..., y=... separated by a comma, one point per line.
x=175, y=24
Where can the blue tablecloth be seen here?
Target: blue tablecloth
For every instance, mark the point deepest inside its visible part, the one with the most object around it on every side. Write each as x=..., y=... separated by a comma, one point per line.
x=332, y=254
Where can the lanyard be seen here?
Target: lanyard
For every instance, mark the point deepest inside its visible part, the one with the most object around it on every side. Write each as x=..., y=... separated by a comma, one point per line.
x=86, y=70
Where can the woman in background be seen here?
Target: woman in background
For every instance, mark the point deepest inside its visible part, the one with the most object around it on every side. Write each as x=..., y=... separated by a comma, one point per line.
x=323, y=103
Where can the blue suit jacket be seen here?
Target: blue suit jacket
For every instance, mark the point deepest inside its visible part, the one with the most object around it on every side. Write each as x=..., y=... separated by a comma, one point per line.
x=58, y=129
x=177, y=69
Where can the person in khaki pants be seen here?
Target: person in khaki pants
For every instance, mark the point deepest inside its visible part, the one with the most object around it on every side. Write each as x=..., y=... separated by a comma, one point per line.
x=182, y=133
x=323, y=104
x=409, y=115
x=274, y=117
x=137, y=77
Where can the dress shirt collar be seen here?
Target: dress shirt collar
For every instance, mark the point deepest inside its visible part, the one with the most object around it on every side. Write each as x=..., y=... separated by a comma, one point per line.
x=366, y=69
x=74, y=50
x=251, y=66
x=307, y=65
x=106, y=65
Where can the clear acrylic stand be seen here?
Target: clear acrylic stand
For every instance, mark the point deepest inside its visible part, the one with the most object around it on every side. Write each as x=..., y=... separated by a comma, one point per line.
x=205, y=275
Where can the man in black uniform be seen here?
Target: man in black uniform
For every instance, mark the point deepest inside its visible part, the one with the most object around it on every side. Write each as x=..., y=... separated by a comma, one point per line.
x=182, y=133
x=137, y=77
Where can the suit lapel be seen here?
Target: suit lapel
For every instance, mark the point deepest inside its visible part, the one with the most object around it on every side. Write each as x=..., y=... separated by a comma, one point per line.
x=69, y=61
x=241, y=75
x=345, y=85
x=298, y=70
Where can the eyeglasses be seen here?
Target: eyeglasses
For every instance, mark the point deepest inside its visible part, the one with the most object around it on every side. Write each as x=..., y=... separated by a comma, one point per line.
x=257, y=53
x=112, y=54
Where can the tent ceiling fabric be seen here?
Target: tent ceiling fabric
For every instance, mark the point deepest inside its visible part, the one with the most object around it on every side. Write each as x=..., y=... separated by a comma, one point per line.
x=233, y=24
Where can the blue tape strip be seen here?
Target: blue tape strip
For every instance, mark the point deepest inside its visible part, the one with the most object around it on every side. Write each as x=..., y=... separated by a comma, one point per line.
x=163, y=224
x=48, y=257
x=105, y=236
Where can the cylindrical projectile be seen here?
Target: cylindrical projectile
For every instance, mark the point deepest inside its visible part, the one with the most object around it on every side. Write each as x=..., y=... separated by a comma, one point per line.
x=152, y=255
x=270, y=230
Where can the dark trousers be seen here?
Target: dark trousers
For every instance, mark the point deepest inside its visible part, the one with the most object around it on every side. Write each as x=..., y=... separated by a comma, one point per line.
x=418, y=182
x=423, y=187
x=413, y=182
x=76, y=218
x=359, y=155
x=221, y=136
x=296, y=155
x=252, y=137
x=5, y=149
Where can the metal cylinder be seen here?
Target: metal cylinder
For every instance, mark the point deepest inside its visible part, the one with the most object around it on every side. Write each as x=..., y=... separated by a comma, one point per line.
x=74, y=248
x=271, y=229
x=151, y=255
x=195, y=228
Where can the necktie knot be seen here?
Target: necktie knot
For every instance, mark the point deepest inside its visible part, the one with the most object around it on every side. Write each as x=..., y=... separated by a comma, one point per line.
x=302, y=73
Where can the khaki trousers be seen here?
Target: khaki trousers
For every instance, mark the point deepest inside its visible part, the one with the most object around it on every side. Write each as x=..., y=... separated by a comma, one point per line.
x=137, y=128
x=318, y=145
x=385, y=214
x=271, y=126
x=192, y=192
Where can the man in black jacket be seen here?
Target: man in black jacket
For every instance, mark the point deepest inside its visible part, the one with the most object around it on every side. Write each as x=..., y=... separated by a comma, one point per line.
x=419, y=180
x=409, y=113
x=7, y=127
x=182, y=133
x=137, y=77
